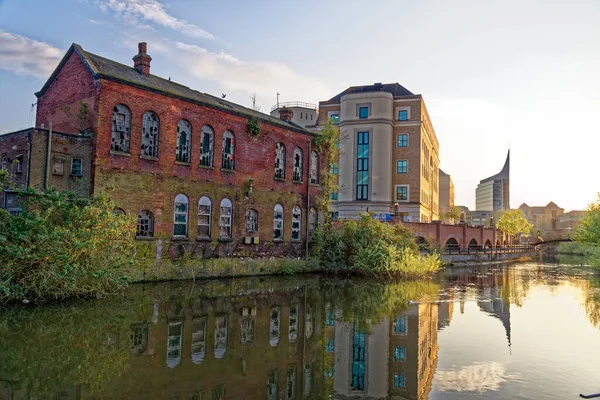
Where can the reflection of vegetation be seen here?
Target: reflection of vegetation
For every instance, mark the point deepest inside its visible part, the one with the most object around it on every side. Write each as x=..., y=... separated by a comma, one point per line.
x=588, y=232
x=592, y=303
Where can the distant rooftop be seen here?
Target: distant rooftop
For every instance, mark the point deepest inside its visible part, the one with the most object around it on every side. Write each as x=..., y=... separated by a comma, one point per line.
x=294, y=104
x=395, y=89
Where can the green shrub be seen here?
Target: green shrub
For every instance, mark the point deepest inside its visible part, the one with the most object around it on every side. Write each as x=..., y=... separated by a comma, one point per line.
x=63, y=246
x=369, y=247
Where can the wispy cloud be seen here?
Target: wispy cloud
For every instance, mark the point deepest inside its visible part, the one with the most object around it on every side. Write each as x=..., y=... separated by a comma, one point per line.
x=27, y=56
x=265, y=78
x=153, y=11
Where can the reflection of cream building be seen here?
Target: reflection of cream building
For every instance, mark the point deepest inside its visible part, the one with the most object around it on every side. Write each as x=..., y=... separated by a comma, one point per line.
x=389, y=153
x=408, y=341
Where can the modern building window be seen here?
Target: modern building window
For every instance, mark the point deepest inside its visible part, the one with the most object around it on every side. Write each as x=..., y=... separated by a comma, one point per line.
x=363, y=112
x=334, y=169
x=358, y=360
x=401, y=193
x=220, y=336
x=225, y=220
x=312, y=221
x=335, y=118
x=278, y=222
x=184, y=137
x=279, y=161
x=399, y=380
x=145, y=225
x=251, y=221
x=274, y=326
x=402, y=166
x=314, y=167
x=362, y=169
x=204, y=217
x=400, y=325
x=402, y=140
x=58, y=167
x=399, y=353
x=290, y=382
x=293, y=323
x=198, y=339
x=206, y=146
x=150, y=131
x=174, y=340
x=180, y=217
x=402, y=115
x=329, y=318
x=76, y=167
x=121, y=129
x=330, y=346
x=334, y=195
x=228, y=160
x=297, y=165
x=296, y=223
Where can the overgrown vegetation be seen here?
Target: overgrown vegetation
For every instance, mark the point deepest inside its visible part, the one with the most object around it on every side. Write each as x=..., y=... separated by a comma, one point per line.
x=63, y=246
x=369, y=247
x=588, y=233
x=327, y=142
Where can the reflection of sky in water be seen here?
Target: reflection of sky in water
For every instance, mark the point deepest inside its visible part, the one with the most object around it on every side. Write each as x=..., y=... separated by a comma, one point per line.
x=480, y=377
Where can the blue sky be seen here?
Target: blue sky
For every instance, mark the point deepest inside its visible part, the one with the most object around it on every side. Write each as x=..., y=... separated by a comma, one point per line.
x=491, y=72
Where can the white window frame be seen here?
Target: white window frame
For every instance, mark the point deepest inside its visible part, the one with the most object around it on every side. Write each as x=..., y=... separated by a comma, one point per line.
x=204, y=201
x=402, y=173
x=181, y=199
x=407, y=140
x=407, y=193
x=402, y=108
x=225, y=219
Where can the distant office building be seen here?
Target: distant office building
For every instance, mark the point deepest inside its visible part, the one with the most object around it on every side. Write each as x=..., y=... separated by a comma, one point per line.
x=302, y=114
x=493, y=193
x=389, y=153
x=446, y=191
x=476, y=217
x=543, y=218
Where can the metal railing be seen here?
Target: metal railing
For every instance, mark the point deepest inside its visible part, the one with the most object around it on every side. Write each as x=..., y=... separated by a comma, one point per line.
x=294, y=104
x=457, y=249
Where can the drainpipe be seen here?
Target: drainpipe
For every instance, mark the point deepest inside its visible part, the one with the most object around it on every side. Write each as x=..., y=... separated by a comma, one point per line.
x=48, y=150
x=308, y=200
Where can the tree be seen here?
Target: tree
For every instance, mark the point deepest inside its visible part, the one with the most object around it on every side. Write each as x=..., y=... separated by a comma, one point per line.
x=451, y=214
x=588, y=231
x=513, y=223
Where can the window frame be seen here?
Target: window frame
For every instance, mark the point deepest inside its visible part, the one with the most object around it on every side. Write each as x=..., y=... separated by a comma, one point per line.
x=279, y=161
x=251, y=212
x=407, y=187
x=179, y=199
x=228, y=159
x=362, y=106
x=202, y=202
x=184, y=126
x=73, y=173
x=228, y=221
x=402, y=166
x=145, y=233
x=298, y=173
x=362, y=190
x=207, y=157
x=150, y=140
x=330, y=116
x=121, y=128
x=278, y=224
x=296, y=223
x=313, y=167
x=400, y=142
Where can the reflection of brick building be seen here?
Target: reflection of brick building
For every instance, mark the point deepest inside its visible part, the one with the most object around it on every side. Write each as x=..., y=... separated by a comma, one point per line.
x=189, y=165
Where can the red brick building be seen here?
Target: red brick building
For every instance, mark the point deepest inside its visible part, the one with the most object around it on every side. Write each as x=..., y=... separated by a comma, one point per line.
x=191, y=166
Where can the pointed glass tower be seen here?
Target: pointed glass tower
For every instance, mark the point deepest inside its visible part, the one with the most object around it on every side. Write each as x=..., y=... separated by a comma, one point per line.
x=493, y=193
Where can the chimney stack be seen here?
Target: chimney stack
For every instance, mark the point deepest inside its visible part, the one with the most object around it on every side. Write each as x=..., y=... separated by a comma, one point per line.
x=141, y=61
x=285, y=114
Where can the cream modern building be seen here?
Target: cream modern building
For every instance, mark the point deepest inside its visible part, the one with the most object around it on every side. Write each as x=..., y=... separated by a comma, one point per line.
x=389, y=153
x=493, y=193
x=446, y=191
x=303, y=114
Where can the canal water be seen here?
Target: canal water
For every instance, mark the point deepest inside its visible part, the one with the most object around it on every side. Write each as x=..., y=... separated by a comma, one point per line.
x=522, y=331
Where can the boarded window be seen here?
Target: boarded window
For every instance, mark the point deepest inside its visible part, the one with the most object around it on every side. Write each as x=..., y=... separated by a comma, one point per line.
x=206, y=146
x=297, y=164
x=228, y=151
x=279, y=161
x=58, y=167
x=251, y=221
x=145, y=225
x=121, y=129
x=184, y=137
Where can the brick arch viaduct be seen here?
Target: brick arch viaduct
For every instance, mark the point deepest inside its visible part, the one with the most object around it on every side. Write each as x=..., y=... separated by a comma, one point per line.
x=463, y=234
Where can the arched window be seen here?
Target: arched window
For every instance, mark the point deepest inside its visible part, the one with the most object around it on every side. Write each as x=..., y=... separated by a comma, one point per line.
x=275, y=325
x=312, y=220
x=145, y=225
x=119, y=212
x=121, y=129
x=297, y=164
x=228, y=151
x=150, y=134
x=296, y=223
x=225, y=221
x=206, y=146
x=251, y=221
x=314, y=167
x=204, y=213
x=184, y=137
x=279, y=161
x=278, y=222
x=452, y=244
x=180, y=216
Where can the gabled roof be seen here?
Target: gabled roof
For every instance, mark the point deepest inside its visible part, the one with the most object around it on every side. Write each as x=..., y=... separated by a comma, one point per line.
x=394, y=88
x=103, y=68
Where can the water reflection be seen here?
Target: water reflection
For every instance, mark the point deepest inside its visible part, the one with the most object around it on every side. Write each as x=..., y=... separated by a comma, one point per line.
x=287, y=338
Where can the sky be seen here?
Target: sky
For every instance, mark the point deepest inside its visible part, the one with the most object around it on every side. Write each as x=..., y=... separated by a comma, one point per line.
x=493, y=74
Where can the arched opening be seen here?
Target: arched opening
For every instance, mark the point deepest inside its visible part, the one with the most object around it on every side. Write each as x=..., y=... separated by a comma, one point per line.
x=421, y=242
x=451, y=244
x=498, y=242
x=488, y=243
x=473, y=244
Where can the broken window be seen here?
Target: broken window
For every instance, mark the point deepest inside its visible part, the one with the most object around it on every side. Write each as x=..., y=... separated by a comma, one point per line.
x=174, y=340
x=150, y=134
x=138, y=337
x=274, y=325
x=228, y=151
x=145, y=225
x=307, y=380
x=314, y=167
x=296, y=223
x=293, y=326
x=206, y=147
x=220, y=336
x=184, y=136
x=58, y=167
x=76, y=167
x=251, y=221
x=225, y=221
x=121, y=129
x=297, y=164
x=19, y=164
x=272, y=383
x=5, y=162
x=278, y=222
x=198, y=339
x=279, y=161
x=247, y=330
x=180, y=217
x=290, y=383
x=312, y=221
x=204, y=214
